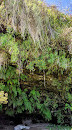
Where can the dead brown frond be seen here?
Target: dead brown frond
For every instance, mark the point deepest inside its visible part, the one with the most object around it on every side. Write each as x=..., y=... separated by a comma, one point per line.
x=30, y=16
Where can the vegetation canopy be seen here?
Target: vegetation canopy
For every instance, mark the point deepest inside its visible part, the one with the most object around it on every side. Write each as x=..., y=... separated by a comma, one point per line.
x=35, y=60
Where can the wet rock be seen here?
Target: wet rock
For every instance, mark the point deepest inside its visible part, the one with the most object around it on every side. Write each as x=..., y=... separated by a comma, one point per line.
x=27, y=122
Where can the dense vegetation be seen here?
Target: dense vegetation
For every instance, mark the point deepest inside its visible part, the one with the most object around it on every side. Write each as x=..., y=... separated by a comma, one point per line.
x=35, y=60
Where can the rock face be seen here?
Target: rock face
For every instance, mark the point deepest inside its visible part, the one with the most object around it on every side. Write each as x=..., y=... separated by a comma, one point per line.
x=27, y=122
x=70, y=47
x=67, y=35
x=3, y=58
x=2, y=28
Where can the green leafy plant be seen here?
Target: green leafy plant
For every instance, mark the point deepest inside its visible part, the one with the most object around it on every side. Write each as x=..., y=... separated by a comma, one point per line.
x=35, y=38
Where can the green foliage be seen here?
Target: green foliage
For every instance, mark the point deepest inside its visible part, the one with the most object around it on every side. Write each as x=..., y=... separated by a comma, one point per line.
x=7, y=42
x=23, y=77
x=58, y=127
x=67, y=106
x=2, y=86
x=40, y=41
x=30, y=66
x=60, y=117
x=46, y=113
x=18, y=100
